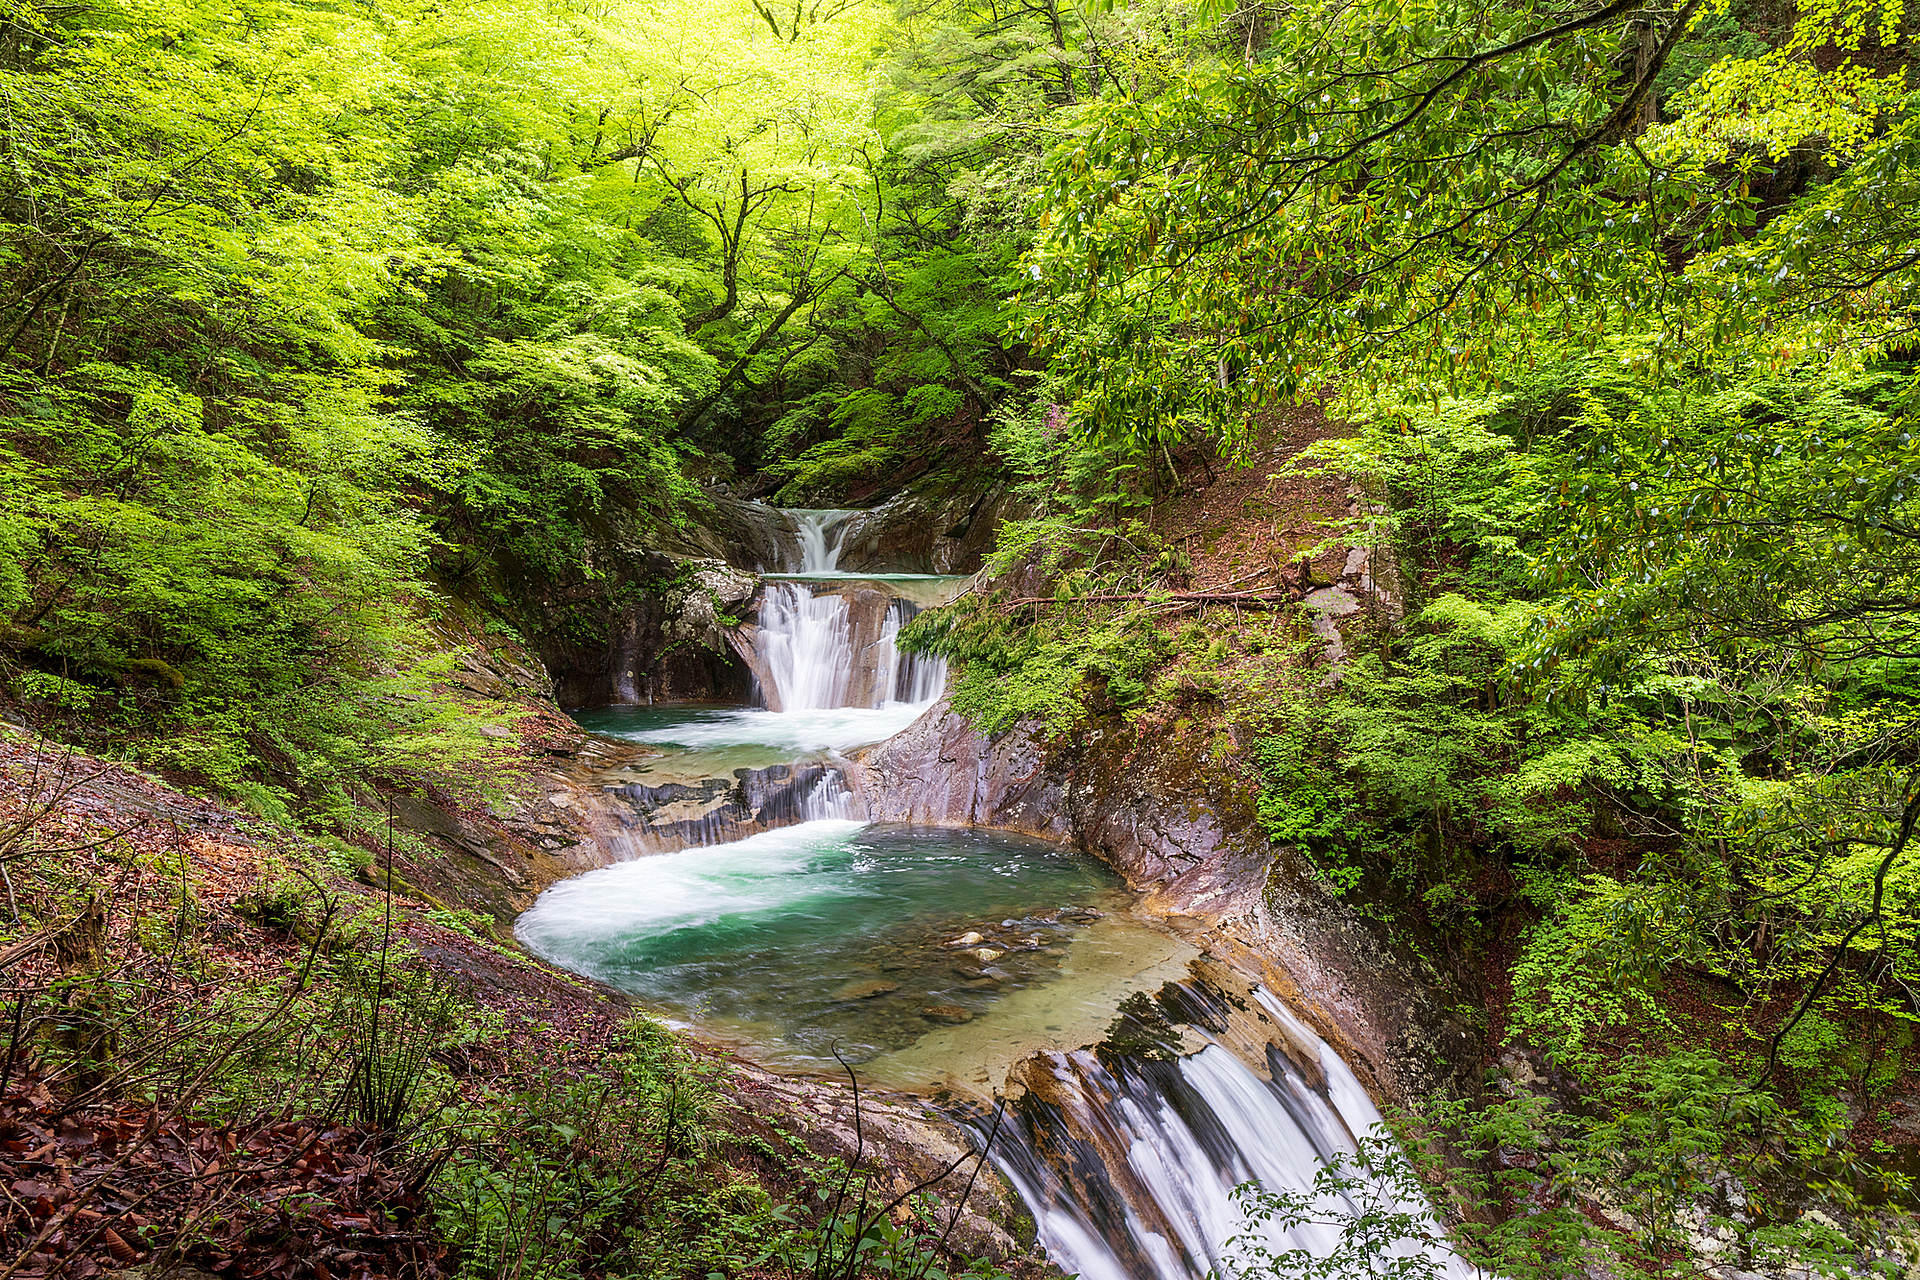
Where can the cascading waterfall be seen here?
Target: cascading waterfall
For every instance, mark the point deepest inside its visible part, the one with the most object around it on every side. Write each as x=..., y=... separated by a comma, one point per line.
x=1127, y=1160
x=817, y=538
x=838, y=649
x=1130, y=1168
x=821, y=650
x=915, y=678
x=806, y=646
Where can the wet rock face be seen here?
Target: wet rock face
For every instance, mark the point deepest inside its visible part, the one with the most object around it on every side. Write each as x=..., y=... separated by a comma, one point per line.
x=939, y=771
x=637, y=820
x=749, y=536
x=651, y=619
x=917, y=534
x=1132, y=804
x=666, y=646
x=1184, y=833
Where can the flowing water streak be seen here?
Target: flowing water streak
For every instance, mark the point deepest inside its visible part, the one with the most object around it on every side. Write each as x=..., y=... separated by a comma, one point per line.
x=916, y=678
x=818, y=534
x=806, y=645
x=1142, y=1160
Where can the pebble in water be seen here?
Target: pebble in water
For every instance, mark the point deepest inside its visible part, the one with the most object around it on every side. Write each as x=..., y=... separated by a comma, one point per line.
x=946, y=1013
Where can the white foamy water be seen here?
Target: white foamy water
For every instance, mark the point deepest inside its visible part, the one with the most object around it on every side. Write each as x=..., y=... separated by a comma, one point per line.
x=818, y=534
x=574, y=921
x=1208, y=1126
x=795, y=733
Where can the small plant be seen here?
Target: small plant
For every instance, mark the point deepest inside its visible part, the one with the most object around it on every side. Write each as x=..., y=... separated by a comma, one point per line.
x=855, y=1232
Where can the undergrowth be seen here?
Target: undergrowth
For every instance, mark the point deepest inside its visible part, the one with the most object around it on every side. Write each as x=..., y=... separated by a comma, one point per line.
x=269, y=1075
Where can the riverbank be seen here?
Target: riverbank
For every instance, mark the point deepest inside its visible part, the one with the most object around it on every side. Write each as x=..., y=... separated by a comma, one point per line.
x=187, y=953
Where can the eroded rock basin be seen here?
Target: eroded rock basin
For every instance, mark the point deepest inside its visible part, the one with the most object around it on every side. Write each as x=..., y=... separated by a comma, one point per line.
x=932, y=958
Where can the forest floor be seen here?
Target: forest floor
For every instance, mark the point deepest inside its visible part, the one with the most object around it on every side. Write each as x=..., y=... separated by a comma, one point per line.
x=1243, y=523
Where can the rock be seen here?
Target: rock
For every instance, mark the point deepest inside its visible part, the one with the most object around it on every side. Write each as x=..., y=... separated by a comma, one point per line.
x=968, y=939
x=494, y=731
x=971, y=973
x=1081, y=915
x=727, y=585
x=865, y=990
x=946, y=1013
x=986, y=955
x=997, y=974
x=894, y=964
x=560, y=800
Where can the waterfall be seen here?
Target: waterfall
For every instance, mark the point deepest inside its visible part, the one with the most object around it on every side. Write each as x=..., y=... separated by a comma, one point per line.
x=828, y=801
x=837, y=649
x=913, y=677
x=1129, y=1164
x=819, y=534
x=807, y=647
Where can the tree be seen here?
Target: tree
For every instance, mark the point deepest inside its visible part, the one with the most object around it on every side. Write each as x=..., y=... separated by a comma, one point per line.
x=1380, y=199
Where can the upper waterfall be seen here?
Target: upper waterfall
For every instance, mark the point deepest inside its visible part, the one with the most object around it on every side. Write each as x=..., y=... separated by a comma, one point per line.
x=818, y=534
x=825, y=648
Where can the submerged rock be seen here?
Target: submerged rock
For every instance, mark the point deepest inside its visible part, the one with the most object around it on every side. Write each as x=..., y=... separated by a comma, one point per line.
x=865, y=990
x=945, y=1013
x=968, y=939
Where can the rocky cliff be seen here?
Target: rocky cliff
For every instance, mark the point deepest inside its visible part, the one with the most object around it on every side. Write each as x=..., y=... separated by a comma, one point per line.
x=1181, y=829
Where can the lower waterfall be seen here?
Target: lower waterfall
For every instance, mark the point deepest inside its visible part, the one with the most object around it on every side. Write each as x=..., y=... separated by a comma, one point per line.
x=1130, y=1165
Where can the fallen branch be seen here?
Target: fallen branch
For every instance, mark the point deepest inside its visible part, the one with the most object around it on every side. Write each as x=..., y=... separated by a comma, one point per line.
x=1192, y=597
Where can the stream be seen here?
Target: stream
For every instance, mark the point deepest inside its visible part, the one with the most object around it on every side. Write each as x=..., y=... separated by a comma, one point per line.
x=958, y=962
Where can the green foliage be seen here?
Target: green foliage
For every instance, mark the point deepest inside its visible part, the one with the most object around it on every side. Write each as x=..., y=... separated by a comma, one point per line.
x=1474, y=193
x=1041, y=658
x=568, y=1168
x=1455, y=493
x=394, y=1018
x=1419, y=757
x=1726, y=524
x=1041, y=674
x=1574, y=978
